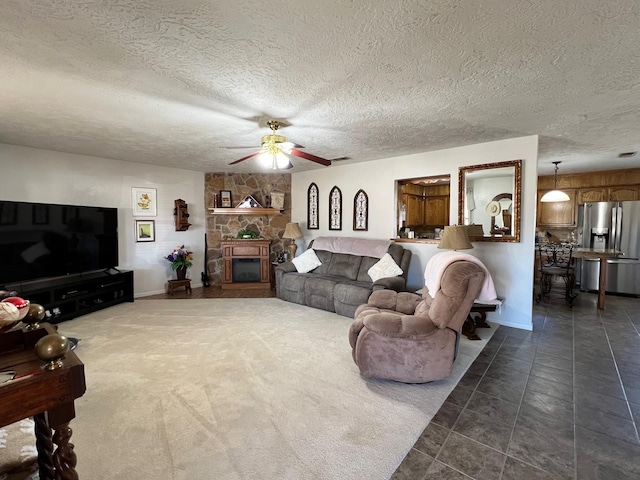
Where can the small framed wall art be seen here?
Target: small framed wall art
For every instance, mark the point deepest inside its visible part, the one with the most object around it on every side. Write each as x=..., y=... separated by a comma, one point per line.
x=145, y=231
x=313, y=209
x=361, y=211
x=225, y=198
x=277, y=200
x=335, y=209
x=144, y=202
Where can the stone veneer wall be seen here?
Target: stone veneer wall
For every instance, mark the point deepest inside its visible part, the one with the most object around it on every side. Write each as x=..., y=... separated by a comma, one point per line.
x=221, y=227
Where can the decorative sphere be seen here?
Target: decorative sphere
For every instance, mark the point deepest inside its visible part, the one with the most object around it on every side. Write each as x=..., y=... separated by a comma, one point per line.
x=52, y=347
x=35, y=313
x=20, y=303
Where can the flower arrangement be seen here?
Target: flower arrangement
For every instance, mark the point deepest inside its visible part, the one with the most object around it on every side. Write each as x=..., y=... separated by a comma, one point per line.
x=180, y=258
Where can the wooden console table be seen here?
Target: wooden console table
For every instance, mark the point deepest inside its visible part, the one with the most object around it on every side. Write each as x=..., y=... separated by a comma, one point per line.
x=46, y=395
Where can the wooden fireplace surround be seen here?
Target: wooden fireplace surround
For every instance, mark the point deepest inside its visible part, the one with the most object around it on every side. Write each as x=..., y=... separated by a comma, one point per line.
x=232, y=249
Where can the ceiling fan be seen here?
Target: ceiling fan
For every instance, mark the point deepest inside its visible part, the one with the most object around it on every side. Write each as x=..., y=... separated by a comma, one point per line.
x=276, y=151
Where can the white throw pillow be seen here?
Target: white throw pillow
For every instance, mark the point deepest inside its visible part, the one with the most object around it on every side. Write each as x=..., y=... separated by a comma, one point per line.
x=386, y=267
x=307, y=261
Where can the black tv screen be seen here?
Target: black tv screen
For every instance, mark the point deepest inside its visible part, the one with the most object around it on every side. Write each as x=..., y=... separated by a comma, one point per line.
x=44, y=240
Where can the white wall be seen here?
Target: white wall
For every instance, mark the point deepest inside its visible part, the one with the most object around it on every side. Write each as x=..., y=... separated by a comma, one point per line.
x=511, y=264
x=33, y=175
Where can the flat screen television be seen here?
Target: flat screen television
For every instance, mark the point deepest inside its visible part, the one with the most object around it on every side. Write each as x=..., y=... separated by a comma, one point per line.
x=39, y=240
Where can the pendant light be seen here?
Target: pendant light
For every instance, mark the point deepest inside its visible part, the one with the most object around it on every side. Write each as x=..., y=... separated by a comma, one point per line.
x=555, y=195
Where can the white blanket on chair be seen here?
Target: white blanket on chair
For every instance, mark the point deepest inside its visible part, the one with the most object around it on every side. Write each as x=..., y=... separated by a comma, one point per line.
x=440, y=261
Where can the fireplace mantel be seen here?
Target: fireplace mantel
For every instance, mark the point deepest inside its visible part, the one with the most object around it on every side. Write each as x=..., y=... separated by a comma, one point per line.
x=246, y=250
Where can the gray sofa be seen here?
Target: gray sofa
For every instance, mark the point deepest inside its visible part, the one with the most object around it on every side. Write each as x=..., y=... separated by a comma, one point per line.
x=341, y=284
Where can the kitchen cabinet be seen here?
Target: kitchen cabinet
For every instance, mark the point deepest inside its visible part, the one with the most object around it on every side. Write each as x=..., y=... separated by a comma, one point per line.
x=607, y=194
x=436, y=210
x=557, y=214
x=623, y=193
x=414, y=209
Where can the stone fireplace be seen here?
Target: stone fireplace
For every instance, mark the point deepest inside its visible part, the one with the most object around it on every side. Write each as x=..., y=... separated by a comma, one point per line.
x=226, y=227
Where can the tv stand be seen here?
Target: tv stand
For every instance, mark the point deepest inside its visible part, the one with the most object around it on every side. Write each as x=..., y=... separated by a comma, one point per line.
x=64, y=298
x=110, y=269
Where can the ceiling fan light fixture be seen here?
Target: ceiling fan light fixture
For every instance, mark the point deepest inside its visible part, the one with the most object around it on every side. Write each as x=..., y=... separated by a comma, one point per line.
x=555, y=195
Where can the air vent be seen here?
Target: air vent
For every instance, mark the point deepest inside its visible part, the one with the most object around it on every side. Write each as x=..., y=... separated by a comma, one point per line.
x=626, y=154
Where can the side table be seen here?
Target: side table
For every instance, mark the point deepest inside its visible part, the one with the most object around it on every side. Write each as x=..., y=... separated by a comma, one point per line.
x=173, y=284
x=46, y=395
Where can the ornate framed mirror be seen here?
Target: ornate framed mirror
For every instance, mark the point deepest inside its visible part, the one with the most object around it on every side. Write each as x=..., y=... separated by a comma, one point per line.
x=489, y=201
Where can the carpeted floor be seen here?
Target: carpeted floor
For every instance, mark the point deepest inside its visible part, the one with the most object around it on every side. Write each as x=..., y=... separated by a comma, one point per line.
x=231, y=389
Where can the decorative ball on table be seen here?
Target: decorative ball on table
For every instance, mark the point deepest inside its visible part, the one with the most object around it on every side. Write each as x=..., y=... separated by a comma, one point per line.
x=20, y=303
x=51, y=349
x=34, y=316
x=9, y=316
x=7, y=313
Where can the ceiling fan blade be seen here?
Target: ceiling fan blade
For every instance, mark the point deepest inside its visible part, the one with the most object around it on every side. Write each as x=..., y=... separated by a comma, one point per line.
x=313, y=158
x=245, y=158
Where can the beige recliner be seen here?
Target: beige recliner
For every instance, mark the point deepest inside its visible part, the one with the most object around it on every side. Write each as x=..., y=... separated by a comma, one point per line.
x=414, y=339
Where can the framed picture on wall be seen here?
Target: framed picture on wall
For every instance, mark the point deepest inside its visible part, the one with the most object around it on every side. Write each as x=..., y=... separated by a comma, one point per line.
x=335, y=209
x=225, y=198
x=361, y=211
x=145, y=231
x=277, y=200
x=144, y=202
x=313, y=208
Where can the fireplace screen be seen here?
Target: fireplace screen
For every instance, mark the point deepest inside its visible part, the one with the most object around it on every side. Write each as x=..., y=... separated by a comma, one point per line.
x=245, y=270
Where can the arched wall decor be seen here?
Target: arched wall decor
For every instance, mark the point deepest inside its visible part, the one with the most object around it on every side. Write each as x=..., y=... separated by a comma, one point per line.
x=335, y=209
x=361, y=211
x=313, y=208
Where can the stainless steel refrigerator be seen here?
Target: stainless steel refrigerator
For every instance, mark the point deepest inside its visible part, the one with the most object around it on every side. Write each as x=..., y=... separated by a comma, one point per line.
x=605, y=225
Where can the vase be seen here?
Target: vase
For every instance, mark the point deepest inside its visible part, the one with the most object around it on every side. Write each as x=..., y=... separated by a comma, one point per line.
x=181, y=272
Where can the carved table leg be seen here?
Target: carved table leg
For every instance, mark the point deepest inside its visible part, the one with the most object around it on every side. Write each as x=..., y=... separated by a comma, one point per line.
x=469, y=328
x=481, y=321
x=44, y=446
x=64, y=458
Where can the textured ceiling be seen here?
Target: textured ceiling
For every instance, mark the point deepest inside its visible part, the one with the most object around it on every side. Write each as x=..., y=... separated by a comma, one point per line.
x=172, y=82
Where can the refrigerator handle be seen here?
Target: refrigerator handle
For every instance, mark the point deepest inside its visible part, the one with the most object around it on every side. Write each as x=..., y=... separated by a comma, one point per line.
x=614, y=227
x=616, y=224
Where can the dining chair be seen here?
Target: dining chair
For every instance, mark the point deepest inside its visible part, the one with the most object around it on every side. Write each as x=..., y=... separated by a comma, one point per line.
x=556, y=260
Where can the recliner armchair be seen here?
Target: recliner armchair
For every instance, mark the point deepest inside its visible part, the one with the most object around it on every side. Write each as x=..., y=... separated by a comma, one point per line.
x=413, y=339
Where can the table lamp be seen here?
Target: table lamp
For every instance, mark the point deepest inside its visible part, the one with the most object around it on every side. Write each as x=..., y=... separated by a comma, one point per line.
x=292, y=231
x=454, y=237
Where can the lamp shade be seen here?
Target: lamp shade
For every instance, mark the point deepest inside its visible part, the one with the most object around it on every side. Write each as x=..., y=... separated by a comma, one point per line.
x=555, y=196
x=292, y=230
x=455, y=237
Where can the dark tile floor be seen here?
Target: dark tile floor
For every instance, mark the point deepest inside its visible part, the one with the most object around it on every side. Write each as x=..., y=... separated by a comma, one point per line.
x=560, y=402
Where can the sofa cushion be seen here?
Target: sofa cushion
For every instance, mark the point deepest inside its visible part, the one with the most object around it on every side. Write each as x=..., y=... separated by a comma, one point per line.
x=344, y=265
x=307, y=261
x=325, y=258
x=385, y=267
x=318, y=292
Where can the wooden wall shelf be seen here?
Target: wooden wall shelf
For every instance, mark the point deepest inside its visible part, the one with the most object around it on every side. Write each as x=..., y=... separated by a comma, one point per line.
x=244, y=211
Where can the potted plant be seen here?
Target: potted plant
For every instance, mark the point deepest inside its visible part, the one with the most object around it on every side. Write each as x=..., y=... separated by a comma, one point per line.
x=245, y=233
x=180, y=260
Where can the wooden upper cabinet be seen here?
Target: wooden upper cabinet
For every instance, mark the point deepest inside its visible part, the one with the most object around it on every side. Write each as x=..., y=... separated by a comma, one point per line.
x=588, y=195
x=623, y=194
x=436, y=210
x=415, y=209
x=607, y=194
x=557, y=214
